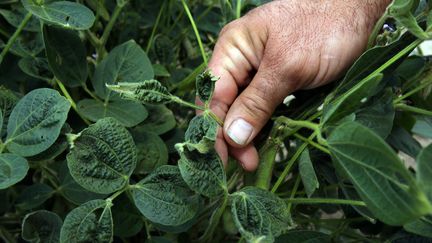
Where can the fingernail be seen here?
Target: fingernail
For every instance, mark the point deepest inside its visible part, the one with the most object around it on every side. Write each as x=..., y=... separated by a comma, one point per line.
x=240, y=131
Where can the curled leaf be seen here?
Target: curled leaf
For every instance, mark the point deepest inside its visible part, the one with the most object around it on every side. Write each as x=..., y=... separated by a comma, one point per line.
x=149, y=91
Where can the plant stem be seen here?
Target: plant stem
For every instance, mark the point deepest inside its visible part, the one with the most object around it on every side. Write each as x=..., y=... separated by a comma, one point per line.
x=267, y=155
x=290, y=164
x=187, y=104
x=214, y=220
x=294, y=191
x=69, y=98
x=325, y=201
x=413, y=109
x=238, y=9
x=313, y=143
x=195, y=29
x=215, y=117
x=2, y=146
x=306, y=124
x=86, y=89
x=413, y=91
x=15, y=35
x=150, y=42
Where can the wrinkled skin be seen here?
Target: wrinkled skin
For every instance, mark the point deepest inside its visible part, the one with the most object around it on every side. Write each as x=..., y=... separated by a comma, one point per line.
x=276, y=49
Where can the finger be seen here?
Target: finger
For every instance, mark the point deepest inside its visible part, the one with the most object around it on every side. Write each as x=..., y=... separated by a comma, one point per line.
x=254, y=107
x=247, y=157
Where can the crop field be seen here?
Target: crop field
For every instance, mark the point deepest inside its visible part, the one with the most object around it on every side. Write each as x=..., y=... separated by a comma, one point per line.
x=100, y=140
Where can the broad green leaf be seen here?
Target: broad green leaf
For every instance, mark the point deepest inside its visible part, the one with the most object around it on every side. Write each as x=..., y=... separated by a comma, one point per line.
x=422, y=226
x=59, y=146
x=160, y=71
x=259, y=215
x=152, y=152
x=164, y=198
x=404, y=141
x=70, y=15
x=160, y=120
x=72, y=191
x=13, y=168
x=15, y=16
x=349, y=102
x=36, y=121
x=205, y=85
x=307, y=173
x=8, y=100
x=128, y=113
x=66, y=54
x=423, y=127
x=28, y=44
x=90, y=222
x=36, y=67
x=401, y=7
x=379, y=115
x=402, y=11
x=387, y=187
x=304, y=236
x=125, y=63
x=201, y=132
x=424, y=170
x=370, y=61
x=126, y=217
x=41, y=226
x=102, y=157
x=34, y=196
x=149, y=91
x=204, y=173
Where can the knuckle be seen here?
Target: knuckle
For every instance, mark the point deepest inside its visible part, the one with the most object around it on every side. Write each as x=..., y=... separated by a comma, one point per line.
x=255, y=106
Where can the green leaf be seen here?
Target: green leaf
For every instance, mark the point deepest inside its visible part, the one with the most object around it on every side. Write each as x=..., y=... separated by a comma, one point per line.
x=404, y=141
x=125, y=63
x=423, y=127
x=34, y=196
x=36, y=67
x=8, y=100
x=402, y=7
x=160, y=120
x=348, y=103
x=66, y=54
x=102, y=157
x=379, y=115
x=70, y=15
x=259, y=215
x=149, y=91
x=13, y=168
x=160, y=71
x=205, y=85
x=59, y=146
x=41, y=226
x=28, y=44
x=370, y=61
x=36, y=121
x=202, y=132
x=15, y=16
x=307, y=173
x=164, y=198
x=424, y=170
x=91, y=222
x=385, y=185
x=152, y=152
x=1, y=121
x=304, y=236
x=72, y=191
x=204, y=173
x=128, y=113
x=422, y=226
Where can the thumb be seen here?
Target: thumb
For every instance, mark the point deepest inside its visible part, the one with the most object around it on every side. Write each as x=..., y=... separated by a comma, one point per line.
x=254, y=106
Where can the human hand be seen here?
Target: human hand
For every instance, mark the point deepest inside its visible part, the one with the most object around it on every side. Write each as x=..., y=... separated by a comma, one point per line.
x=276, y=49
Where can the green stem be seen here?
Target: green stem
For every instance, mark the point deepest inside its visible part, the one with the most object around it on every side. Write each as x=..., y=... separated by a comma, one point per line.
x=69, y=98
x=86, y=89
x=293, y=192
x=195, y=29
x=150, y=42
x=325, y=201
x=15, y=35
x=2, y=146
x=238, y=9
x=214, y=221
x=413, y=109
x=413, y=91
x=313, y=143
x=188, y=104
x=105, y=35
x=306, y=124
x=215, y=117
x=118, y=193
x=290, y=164
x=267, y=155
